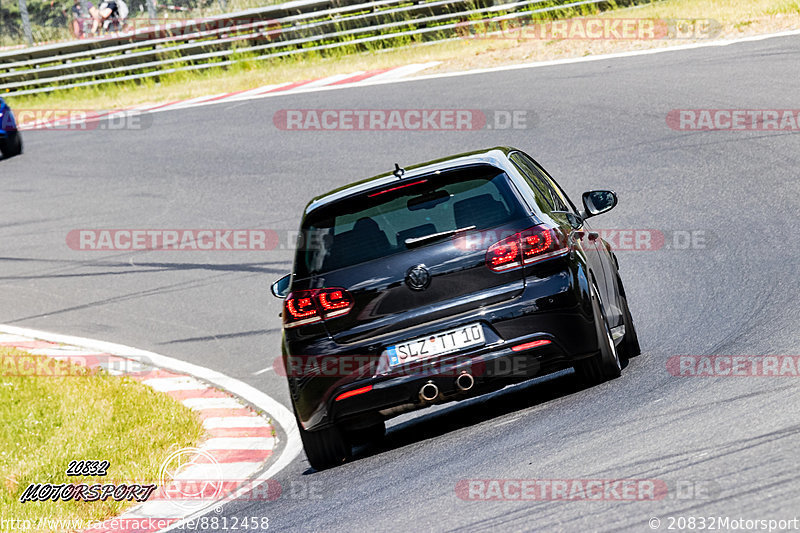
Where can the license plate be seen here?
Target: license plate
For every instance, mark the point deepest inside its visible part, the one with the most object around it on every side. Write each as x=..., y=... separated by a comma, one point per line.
x=436, y=344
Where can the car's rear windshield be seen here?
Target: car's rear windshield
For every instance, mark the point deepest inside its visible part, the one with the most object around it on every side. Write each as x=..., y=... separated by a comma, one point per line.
x=377, y=223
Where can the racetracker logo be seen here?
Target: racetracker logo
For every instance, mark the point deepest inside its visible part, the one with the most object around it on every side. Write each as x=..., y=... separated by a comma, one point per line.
x=63, y=363
x=620, y=239
x=172, y=239
x=561, y=489
x=81, y=119
x=589, y=29
x=233, y=29
x=174, y=474
x=401, y=119
x=734, y=366
x=330, y=366
x=734, y=119
x=246, y=28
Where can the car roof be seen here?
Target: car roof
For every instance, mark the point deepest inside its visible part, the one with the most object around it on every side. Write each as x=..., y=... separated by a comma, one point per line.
x=492, y=156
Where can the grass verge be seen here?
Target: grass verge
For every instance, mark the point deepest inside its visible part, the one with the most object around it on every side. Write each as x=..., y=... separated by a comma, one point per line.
x=87, y=414
x=736, y=18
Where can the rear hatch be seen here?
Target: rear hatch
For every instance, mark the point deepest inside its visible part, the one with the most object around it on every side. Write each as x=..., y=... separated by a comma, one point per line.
x=411, y=252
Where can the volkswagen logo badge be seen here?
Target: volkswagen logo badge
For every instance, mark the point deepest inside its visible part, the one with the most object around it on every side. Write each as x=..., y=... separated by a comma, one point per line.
x=418, y=278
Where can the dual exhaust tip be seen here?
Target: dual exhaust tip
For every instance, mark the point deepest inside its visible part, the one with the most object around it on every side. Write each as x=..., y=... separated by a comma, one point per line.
x=429, y=392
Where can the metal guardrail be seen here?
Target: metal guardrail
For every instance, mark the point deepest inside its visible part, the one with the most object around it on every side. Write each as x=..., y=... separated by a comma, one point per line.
x=291, y=28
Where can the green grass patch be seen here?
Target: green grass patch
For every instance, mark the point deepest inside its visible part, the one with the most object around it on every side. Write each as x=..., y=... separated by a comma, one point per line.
x=87, y=414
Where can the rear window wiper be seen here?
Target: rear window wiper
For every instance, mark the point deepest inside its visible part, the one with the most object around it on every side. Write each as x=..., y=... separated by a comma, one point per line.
x=419, y=241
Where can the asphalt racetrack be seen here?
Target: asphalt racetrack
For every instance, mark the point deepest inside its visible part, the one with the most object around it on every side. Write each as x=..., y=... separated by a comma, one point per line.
x=726, y=446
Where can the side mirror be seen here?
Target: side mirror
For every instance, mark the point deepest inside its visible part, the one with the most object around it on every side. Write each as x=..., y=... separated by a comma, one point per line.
x=597, y=202
x=281, y=287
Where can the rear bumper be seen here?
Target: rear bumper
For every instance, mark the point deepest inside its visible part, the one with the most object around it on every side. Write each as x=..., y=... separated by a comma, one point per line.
x=556, y=309
x=394, y=395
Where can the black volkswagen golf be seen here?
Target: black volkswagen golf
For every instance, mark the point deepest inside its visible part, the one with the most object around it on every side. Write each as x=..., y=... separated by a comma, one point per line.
x=439, y=282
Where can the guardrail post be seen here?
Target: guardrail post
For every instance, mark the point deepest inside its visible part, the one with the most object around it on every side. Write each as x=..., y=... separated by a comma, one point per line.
x=85, y=12
x=151, y=11
x=26, y=22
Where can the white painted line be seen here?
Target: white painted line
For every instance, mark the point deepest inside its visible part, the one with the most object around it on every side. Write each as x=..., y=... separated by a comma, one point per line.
x=242, y=96
x=142, y=107
x=237, y=422
x=199, y=404
x=57, y=353
x=258, y=90
x=239, y=443
x=402, y=72
x=322, y=82
x=279, y=414
x=375, y=80
x=5, y=337
x=118, y=368
x=601, y=57
x=312, y=86
x=262, y=371
x=174, y=384
x=191, y=101
x=212, y=471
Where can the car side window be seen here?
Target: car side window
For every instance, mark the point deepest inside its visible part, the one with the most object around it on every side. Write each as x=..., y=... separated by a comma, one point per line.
x=557, y=191
x=559, y=202
x=539, y=188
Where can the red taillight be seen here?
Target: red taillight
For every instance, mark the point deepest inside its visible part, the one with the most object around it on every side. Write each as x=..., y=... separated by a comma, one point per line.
x=396, y=188
x=529, y=345
x=354, y=392
x=504, y=255
x=309, y=306
x=526, y=247
x=301, y=308
x=535, y=242
x=335, y=302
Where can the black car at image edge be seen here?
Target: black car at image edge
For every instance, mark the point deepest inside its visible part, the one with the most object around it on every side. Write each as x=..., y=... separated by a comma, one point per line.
x=10, y=137
x=439, y=282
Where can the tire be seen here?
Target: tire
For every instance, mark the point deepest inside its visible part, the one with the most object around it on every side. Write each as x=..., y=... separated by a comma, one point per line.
x=630, y=344
x=12, y=145
x=325, y=448
x=606, y=363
